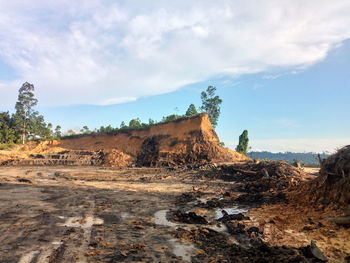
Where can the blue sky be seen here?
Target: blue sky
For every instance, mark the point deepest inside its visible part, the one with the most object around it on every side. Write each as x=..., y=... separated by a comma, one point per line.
x=281, y=68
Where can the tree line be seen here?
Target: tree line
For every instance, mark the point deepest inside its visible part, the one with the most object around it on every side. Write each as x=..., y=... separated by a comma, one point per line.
x=306, y=158
x=210, y=105
x=27, y=124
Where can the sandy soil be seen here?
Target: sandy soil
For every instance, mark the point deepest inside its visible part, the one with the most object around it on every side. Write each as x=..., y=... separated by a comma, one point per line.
x=97, y=214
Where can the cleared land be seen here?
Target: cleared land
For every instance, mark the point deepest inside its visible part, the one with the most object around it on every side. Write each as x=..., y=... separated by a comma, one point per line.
x=97, y=214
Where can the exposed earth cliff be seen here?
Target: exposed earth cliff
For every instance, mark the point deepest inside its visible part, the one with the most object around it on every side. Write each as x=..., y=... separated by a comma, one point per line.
x=184, y=141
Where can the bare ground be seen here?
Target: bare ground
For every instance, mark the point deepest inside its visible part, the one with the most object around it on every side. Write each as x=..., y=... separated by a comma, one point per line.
x=96, y=214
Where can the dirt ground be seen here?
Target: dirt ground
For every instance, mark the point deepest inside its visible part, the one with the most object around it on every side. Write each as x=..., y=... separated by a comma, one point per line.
x=98, y=214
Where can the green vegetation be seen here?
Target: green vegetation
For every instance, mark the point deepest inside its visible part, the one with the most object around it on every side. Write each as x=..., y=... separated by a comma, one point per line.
x=211, y=105
x=25, y=117
x=26, y=123
x=58, y=133
x=191, y=111
x=7, y=128
x=242, y=146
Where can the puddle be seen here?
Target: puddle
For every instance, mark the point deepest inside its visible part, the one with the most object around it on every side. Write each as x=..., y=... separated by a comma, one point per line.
x=230, y=211
x=160, y=219
x=185, y=251
x=86, y=222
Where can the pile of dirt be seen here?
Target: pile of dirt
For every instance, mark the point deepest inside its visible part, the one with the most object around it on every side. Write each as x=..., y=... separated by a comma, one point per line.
x=181, y=142
x=332, y=186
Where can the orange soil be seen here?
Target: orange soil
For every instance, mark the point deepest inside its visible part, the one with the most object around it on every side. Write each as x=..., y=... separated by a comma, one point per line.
x=191, y=136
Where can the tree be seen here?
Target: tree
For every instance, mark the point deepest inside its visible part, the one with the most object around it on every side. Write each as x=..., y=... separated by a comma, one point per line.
x=191, y=111
x=151, y=122
x=109, y=129
x=58, y=133
x=171, y=117
x=242, y=146
x=7, y=129
x=211, y=105
x=135, y=124
x=85, y=130
x=71, y=132
x=123, y=126
x=24, y=109
x=37, y=128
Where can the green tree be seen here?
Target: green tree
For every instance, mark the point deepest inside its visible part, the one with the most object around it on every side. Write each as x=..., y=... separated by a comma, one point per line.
x=58, y=133
x=135, y=124
x=85, y=130
x=151, y=122
x=109, y=129
x=71, y=132
x=171, y=117
x=242, y=146
x=24, y=109
x=191, y=111
x=7, y=128
x=211, y=105
x=37, y=128
x=123, y=125
x=49, y=132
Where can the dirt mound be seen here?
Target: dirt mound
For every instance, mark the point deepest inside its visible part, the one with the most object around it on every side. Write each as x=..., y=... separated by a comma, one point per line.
x=181, y=142
x=332, y=186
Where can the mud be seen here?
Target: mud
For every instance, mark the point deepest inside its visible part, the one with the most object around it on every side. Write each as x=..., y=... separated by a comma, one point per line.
x=100, y=214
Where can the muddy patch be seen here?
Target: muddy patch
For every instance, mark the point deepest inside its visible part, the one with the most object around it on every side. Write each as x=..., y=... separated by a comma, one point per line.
x=231, y=211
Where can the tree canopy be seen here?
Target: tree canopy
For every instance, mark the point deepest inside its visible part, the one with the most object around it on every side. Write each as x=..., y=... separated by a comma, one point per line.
x=26, y=123
x=242, y=146
x=211, y=104
x=25, y=115
x=191, y=111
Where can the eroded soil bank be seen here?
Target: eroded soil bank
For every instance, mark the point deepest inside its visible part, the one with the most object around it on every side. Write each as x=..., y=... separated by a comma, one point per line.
x=98, y=214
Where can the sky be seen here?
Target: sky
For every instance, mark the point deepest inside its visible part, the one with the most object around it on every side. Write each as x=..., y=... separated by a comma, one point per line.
x=281, y=67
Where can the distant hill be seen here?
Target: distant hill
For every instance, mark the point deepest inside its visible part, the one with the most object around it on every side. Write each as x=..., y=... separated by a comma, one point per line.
x=308, y=158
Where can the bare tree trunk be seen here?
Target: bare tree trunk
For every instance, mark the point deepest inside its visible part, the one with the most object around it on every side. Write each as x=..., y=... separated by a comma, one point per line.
x=24, y=133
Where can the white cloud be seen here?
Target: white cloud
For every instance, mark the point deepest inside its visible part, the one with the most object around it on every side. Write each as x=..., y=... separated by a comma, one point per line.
x=297, y=145
x=99, y=52
x=118, y=100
